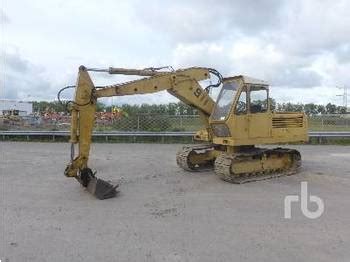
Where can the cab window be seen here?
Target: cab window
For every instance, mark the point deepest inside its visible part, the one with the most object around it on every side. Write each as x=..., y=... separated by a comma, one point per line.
x=241, y=106
x=225, y=100
x=258, y=100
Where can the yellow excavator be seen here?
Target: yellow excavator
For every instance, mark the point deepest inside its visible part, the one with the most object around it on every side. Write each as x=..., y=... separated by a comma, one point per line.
x=240, y=119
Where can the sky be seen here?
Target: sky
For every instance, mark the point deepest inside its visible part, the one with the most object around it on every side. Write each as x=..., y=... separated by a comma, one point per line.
x=301, y=47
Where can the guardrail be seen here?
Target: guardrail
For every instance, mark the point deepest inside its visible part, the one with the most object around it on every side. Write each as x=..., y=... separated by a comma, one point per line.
x=54, y=134
x=329, y=134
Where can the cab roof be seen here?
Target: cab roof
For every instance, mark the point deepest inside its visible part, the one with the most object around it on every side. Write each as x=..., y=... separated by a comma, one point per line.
x=249, y=80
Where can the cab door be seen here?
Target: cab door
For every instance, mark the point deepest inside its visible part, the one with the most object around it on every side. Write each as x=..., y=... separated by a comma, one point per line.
x=240, y=116
x=259, y=114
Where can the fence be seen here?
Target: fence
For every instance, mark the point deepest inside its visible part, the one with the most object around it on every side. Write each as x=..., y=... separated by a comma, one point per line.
x=155, y=123
x=159, y=123
x=162, y=123
x=330, y=122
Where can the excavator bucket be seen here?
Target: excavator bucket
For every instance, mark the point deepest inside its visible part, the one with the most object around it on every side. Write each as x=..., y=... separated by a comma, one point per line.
x=96, y=186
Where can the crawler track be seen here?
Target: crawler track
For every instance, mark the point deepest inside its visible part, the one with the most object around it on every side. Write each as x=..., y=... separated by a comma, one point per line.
x=224, y=164
x=184, y=157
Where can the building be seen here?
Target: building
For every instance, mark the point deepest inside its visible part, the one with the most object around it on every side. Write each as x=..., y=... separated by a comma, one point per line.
x=22, y=107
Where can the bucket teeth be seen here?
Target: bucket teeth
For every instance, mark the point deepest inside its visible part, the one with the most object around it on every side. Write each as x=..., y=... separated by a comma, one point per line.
x=96, y=186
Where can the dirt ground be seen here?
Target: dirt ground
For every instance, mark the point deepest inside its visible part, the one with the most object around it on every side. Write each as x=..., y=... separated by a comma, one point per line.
x=164, y=213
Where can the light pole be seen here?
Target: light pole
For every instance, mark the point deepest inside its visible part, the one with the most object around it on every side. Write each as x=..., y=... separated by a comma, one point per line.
x=345, y=96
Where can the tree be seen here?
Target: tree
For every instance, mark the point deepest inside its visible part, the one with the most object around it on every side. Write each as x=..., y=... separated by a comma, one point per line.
x=321, y=109
x=44, y=106
x=331, y=108
x=40, y=107
x=172, y=109
x=310, y=109
x=341, y=110
x=100, y=107
x=180, y=108
x=290, y=107
x=273, y=104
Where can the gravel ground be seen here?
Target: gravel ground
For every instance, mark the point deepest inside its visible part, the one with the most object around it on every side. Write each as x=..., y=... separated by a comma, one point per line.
x=164, y=213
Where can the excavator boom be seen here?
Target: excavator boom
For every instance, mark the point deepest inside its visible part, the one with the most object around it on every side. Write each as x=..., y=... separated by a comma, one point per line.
x=182, y=84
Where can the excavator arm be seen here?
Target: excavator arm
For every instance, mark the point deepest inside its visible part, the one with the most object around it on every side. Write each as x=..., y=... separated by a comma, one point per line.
x=182, y=84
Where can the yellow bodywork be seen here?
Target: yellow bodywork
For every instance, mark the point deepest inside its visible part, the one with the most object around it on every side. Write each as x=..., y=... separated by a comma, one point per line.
x=239, y=119
x=182, y=84
x=253, y=128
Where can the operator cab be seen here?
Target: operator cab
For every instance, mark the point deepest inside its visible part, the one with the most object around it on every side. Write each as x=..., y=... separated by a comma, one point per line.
x=242, y=111
x=233, y=97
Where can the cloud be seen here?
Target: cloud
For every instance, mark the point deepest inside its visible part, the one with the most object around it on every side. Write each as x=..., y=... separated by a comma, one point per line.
x=200, y=54
x=250, y=56
x=22, y=79
x=15, y=63
x=312, y=27
x=208, y=20
x=342, y=53
x=295, y=45
x=296, y=77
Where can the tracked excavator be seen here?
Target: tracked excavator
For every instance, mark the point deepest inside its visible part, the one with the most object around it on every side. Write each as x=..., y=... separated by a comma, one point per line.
x=240, y=119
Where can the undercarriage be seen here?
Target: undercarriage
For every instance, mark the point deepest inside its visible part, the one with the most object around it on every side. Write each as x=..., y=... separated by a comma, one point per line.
x=245, y=164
